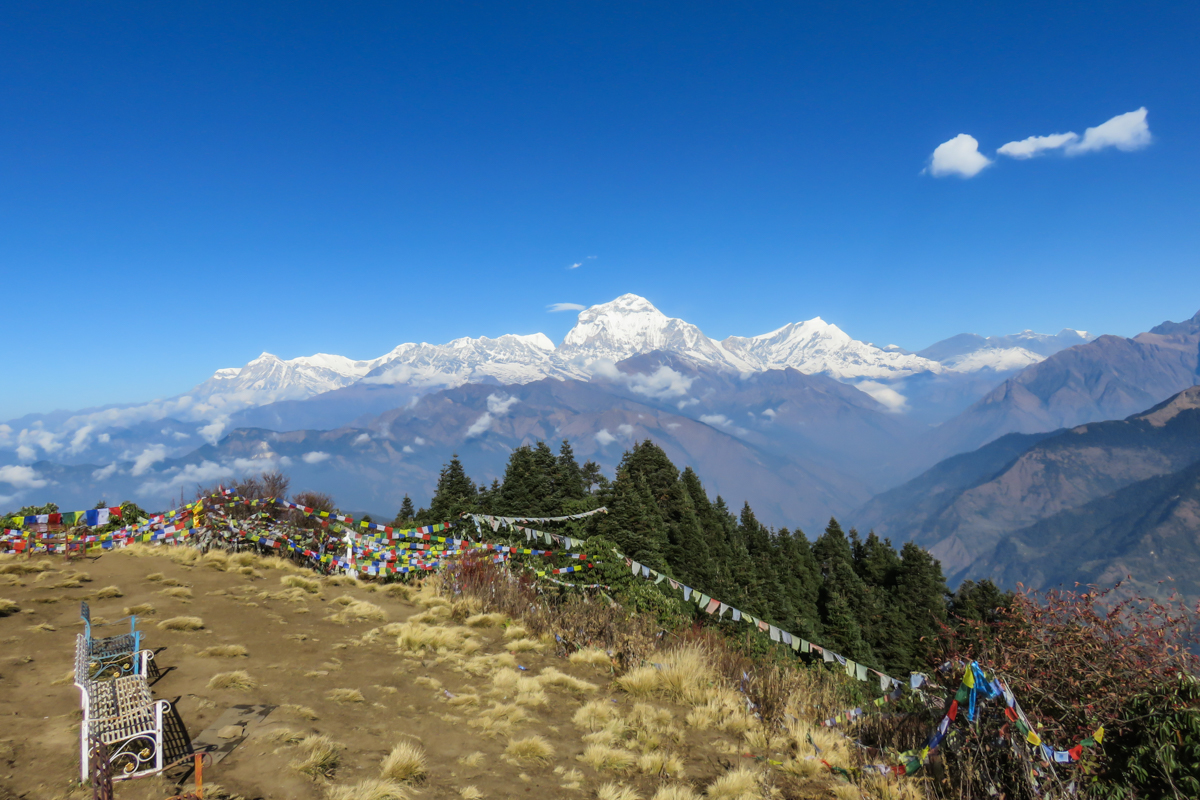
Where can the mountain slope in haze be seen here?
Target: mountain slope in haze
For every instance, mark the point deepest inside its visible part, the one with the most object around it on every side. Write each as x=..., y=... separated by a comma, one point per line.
x=1061, y=472
x=1148, y=532
x=1107, y=378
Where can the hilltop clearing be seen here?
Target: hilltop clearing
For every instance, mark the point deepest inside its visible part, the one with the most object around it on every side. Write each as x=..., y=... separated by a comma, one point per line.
x=390, y=684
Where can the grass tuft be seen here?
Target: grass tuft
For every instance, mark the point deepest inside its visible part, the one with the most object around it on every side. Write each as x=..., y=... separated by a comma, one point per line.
x=470, y=793
x=369, y=789
x=183, y=624
x=8, y=607
x=141, y=610
x=346, y=696
x=298, y=582
x=359, y=611
x=594, y=715
x=178, y=592
x=676, y=791
x=602, y=757
x=592, y=656
x=238, y=681
x=405, y=764
x=321, y=757
x=552, y=677
x=738, y=784
x=532, y=748
x=303, y=712
x=617, y=791
x=223, y=651
x=109, y=592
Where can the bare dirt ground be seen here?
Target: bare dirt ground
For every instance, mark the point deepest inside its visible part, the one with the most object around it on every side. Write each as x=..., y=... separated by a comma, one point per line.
x=495, y=712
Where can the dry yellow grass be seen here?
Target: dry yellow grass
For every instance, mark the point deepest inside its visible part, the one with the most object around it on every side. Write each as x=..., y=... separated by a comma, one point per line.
x=471, y=760
x=359, y=611
x=398, y=591
x=530, y=749
x=639, y=681
x=182, y=624
x=23, y=567
x=661, y=763
x=238, y=681
x=737, y=784
x=8, y=607
x=109, y=592
x=415, y=636
x=369, y=789
x=617, y=791
x=405, y=763
x=178, y=592
x=286, y=735
x=470, y=793
x=346, y=696
x=320, y=756
x=553, y=677
x=595, y=715
x=500, y=719
x=592, y=656
x=675, y=791
x=223, y=651
x=155, y=576
x=215, y=559
x=525, y=646
x=141, y=610
x=303, y=712
x=602, y=757
x=298, y=582
x=342, y=580
x=515, y=631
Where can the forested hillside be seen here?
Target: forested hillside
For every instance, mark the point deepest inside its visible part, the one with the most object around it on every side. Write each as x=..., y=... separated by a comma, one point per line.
x=857, y=594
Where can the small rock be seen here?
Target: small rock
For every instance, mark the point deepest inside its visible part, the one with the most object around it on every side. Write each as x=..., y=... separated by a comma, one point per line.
x=230, y=732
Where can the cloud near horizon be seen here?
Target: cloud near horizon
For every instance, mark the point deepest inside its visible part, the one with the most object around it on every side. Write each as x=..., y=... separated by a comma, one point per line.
x=565, y=307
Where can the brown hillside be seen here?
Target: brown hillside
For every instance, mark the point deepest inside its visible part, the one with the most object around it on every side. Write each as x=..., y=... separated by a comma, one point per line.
x=494, y=712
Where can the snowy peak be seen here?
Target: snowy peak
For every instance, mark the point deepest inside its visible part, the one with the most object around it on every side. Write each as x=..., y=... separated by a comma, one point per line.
x=970, y=352
x=816, y=346
x=631, y=325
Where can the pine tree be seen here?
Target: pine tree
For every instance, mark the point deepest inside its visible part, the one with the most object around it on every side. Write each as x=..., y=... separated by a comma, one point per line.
x=921, y=594
x=568, y=477
x=844, y=602
x=407, y=515
x=455, y=494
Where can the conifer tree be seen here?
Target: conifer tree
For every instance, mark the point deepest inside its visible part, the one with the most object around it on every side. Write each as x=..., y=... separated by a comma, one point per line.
x=568, y=477
x=455, y=494
x=406, y=516
x=844, y=598
x=921, y=595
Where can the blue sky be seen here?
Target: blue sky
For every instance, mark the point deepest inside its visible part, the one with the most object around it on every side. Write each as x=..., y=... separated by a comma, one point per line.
x=185, y=185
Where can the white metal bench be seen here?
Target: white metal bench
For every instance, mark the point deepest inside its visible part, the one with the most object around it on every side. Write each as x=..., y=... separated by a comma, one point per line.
x=113, y=655
x=121, y=713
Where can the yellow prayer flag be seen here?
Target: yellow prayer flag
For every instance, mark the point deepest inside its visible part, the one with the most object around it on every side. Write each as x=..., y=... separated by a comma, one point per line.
x=969, y=679
x=1033, y=739
x=1099, y=735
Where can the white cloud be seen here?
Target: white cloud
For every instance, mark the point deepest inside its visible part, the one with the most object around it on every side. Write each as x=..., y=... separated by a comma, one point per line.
x=104, y=473
x=770, y=412
x=213, y=430
x=715, y=419
x=625, y=430
x=148, y=458
x=5, y=434
x=1036, y=145
x=80, y=440
x=691, y=401
x=498, y=404
x=6, y=499
x=959, y=156
x=882, y=393
x=417, y=440
x=1126, y=132
x=577, y=264
x=315, y=457
x=30, y=438
x=201, y=473
x=604, y=437
x=481, y=424
x=408, y=449
x=662, y=384
x=673, y=425
x=21, y=477
x=565, y=307
x=362, y=438
x=284, y=461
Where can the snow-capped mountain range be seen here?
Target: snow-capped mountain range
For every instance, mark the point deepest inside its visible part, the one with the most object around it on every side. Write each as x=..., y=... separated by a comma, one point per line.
x=604, y=334
x=612, y=332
